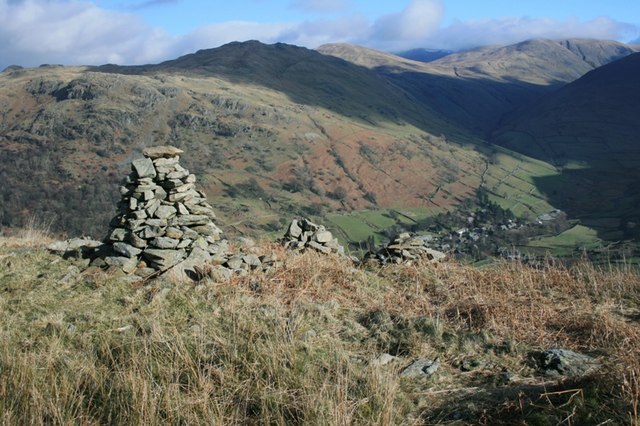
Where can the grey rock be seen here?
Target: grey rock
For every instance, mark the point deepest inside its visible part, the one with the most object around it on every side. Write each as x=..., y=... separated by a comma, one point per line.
x=149, y=232
x=189, y=233
x=163, y=258
x=156, y=222
x=165, y=212
x=244, y=242
x=152, y=206
x=319, y=247
x=126, y=249
x=235, y=262
x=182, y=209
x=209, y=229
x=184, y=243
x=145, y=272
x=135, y=224
x=127, y=264
x=420, y=368
x=124, y=191
x=435, y=255
x=178, y=174
x=167, y=162
x=323, y=236
x=201, y=243
x=190, y=179
x=138, y=215
x=308, y=335
x=564, y=362
x=136, y=241
x=294, y=230
x=162, y=152
x=143, y=167
x=73, y=244
x=218, y=259
x=164, y=242
x=118, y=234
x=183, y=188
x=173, y=232
x=220, y=273
x=191, y=220
x=200, y=210
x=180, y=196
x=252, y=260
x=160, y=193
x=187, y=268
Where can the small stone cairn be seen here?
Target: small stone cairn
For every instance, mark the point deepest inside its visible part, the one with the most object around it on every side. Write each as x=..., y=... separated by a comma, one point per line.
x=303, y=234
x=404, y=249
x=165, y=223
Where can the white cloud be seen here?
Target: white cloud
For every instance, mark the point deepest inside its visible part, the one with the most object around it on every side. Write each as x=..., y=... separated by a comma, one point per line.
x=512, y=30
x=418, y=20
x=79, y=32
x=74, y=32
x=352, y=29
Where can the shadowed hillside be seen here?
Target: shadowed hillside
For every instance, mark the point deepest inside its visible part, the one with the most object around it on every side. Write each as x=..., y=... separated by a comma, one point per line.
x=589, y=129
x=475, y=89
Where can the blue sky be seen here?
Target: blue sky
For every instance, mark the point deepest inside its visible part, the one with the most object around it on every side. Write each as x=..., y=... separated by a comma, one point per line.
x=145, y=31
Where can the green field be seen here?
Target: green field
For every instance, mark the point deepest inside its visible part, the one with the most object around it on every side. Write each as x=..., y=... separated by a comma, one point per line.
x=359, y=226
x=568, y=241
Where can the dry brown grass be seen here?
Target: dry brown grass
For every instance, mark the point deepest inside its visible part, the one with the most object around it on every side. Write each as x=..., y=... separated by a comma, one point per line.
x=294, y=346
x=36, y=233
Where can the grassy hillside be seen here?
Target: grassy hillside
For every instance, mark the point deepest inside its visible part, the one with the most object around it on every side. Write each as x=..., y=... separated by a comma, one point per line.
x=270, y=131
x=68, y=134
x=303, y=344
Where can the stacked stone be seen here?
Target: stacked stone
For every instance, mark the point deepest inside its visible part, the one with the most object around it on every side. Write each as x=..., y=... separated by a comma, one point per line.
x=303, y=234
x=404, y=249
x=162, y=218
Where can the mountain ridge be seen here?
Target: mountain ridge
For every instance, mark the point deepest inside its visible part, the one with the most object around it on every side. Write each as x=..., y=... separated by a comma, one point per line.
x=272, y=129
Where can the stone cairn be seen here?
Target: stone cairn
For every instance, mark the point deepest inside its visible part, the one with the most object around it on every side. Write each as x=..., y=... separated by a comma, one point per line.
x=164, y=222
x=303, y=234
x=404, y=249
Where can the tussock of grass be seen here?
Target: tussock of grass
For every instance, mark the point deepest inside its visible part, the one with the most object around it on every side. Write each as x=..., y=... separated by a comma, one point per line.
x=295, y=346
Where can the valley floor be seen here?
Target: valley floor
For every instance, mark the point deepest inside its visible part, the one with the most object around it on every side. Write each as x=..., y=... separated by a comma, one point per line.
x=315, y=342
